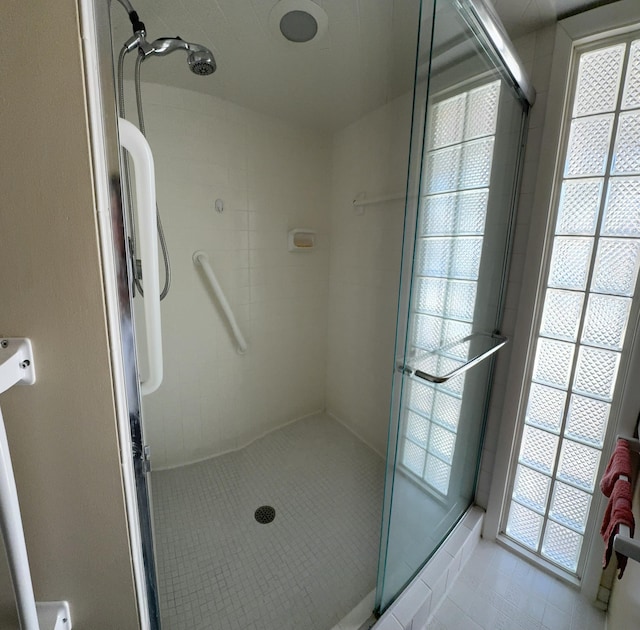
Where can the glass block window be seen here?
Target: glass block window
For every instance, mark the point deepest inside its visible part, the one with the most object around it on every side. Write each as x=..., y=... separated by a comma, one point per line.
x=592, y=278
x=455, y=193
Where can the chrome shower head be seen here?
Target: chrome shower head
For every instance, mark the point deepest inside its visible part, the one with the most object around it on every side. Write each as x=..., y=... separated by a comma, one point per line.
x=200, y=58
x=201, y=62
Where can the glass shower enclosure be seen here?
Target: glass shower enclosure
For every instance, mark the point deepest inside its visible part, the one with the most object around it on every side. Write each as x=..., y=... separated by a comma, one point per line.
x=470, y=108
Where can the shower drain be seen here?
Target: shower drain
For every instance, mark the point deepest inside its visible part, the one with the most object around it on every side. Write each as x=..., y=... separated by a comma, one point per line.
x=265, y=514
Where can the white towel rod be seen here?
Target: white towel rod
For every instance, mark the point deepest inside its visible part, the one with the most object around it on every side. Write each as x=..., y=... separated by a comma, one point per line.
x=17, y=368
x=201, y=258
x=622, y=542
x=360, y=201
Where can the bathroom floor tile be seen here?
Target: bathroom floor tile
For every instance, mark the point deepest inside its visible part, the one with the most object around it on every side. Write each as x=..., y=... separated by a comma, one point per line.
x=219, y=569
x=496, y=590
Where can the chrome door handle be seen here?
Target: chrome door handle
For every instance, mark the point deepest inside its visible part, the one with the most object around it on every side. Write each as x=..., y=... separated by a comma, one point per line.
x=435, y=378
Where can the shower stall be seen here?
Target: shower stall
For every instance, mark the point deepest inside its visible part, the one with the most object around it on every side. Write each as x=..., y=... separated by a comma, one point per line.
x=337, y=193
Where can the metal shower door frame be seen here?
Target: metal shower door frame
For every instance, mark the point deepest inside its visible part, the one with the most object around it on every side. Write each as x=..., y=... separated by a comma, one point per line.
x=95, y=28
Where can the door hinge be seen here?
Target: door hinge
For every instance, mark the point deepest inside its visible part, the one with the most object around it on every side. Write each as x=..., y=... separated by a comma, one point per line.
x=146, y=458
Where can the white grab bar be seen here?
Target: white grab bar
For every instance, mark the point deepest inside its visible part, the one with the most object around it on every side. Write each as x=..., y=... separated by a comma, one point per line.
x=201, y=258
x=136, y=144
x=11, y=522
x=13, y=536
x=16, y=367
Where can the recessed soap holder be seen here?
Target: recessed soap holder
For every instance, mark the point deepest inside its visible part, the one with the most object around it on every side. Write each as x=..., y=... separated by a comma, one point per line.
x=301, y=240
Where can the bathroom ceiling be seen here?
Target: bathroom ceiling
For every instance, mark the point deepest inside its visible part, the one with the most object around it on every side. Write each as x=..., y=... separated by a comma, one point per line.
x=524, y=16
x=364, y=59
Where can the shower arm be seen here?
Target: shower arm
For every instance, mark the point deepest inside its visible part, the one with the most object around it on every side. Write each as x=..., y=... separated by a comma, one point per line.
x=161, y=46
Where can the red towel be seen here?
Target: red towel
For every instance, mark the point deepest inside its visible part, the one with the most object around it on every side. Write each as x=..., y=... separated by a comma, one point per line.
x=619, y=464
x=618, y=513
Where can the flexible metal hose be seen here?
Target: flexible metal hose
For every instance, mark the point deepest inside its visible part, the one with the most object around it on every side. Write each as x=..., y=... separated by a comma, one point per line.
x=125, y=161
x=125, y=165
x=161, y=236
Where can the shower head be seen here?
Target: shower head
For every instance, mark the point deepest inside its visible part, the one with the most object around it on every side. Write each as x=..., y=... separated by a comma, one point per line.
x=200, y=58
x=201, y=62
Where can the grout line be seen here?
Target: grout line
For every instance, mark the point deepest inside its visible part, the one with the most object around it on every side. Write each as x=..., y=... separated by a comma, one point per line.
x=351, y=430
x=242, y=446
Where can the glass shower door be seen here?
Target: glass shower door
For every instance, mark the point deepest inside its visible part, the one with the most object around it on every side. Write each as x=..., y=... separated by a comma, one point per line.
x=468, y=130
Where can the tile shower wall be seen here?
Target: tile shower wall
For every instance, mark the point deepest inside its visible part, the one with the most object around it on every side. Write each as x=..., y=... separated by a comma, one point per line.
x=271, y=177
x=370, y=156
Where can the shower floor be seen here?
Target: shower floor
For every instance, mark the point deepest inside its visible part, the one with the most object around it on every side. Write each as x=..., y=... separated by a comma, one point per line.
x=219, y=569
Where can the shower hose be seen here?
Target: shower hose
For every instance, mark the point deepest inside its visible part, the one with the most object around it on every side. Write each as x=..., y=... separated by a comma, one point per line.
x=133, y=245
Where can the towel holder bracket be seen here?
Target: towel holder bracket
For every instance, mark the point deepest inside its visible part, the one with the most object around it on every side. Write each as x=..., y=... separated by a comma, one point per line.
x=16, y=362
x=634, y=444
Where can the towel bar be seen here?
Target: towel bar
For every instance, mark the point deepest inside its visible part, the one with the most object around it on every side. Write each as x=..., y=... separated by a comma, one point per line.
x=627, y=546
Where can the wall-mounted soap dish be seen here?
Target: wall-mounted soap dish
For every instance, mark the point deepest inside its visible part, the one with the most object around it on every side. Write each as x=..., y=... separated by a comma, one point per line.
x=301, y=240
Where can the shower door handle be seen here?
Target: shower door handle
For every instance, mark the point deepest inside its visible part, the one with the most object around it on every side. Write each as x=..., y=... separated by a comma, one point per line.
x=443, y=378
x=138, y=148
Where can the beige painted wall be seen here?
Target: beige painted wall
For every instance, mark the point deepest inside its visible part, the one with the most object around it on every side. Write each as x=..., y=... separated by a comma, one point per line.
x=62, y=431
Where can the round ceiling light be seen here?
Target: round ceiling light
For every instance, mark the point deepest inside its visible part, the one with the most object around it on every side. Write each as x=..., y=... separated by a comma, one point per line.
x=298, y=21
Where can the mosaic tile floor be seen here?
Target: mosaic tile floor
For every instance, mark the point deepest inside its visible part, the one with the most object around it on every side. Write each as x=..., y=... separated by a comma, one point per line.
x=218, y=569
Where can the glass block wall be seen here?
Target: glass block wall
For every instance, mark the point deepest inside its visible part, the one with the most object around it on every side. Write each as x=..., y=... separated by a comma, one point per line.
x=456, y=177
x=592, y=277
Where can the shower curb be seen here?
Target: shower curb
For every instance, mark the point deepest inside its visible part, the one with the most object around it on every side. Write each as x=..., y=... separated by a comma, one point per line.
x=419, y=601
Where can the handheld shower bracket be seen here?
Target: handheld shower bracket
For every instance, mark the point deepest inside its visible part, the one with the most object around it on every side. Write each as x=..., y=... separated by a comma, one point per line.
x=135, y=41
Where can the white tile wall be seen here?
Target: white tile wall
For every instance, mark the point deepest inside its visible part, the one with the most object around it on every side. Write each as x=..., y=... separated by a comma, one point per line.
x=482, y=586
x=359, y=615
x=419, y=601
x=272, y=177
x=535, y=50
x=309, y=318
x=370, y=156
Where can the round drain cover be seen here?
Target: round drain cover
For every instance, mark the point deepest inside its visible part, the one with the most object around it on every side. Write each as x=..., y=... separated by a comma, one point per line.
x=265, y=514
